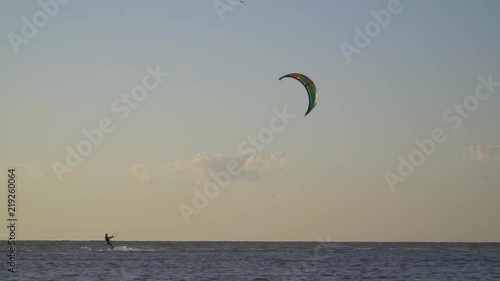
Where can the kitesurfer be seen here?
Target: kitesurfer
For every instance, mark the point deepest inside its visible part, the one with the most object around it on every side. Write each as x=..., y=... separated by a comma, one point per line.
x=107, y=239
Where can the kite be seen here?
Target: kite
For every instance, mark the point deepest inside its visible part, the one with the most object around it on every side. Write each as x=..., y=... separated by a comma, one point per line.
x=310, y=87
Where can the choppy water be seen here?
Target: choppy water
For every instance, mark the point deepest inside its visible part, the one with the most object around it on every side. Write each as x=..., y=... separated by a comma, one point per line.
x=91, y=260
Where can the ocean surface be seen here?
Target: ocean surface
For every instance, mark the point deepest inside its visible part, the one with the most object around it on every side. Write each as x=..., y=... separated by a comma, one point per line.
x=92, y=260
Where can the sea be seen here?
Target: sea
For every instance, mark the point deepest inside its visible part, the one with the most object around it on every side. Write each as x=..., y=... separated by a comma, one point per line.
x=133, y=260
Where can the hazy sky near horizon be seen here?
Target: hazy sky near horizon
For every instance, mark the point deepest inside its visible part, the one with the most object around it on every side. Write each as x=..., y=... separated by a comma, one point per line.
x=322, y=175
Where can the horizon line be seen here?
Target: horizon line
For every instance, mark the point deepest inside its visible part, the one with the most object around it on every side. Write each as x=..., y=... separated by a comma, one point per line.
x=254, y=241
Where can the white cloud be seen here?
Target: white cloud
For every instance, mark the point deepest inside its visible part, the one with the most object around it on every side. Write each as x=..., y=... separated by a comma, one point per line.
x=252, y=165
x=481, y=153
x=139, y=172
x=28, y=173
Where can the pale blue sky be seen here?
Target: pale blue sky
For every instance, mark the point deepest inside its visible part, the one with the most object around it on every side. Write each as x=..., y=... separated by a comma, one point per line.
x=224, y=85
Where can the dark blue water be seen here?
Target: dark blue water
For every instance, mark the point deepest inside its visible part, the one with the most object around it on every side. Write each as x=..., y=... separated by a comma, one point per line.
x=89, y=260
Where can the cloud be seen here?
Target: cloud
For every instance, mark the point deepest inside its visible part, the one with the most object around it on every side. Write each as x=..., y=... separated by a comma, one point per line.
x=143, y=177
x=252, y=166
x=481, y=153
x=478, y=153
x=28, y=173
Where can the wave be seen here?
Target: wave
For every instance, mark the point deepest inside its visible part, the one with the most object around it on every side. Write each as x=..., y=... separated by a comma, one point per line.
x=130, y=249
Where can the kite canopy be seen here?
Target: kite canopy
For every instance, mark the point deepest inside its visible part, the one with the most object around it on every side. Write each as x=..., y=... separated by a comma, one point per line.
x=310, y=87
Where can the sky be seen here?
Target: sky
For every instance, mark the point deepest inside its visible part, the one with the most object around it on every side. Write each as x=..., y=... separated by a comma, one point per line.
x=403, y=144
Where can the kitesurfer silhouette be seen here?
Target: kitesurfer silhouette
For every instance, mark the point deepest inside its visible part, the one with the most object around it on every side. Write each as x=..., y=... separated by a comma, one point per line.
x=107, y=239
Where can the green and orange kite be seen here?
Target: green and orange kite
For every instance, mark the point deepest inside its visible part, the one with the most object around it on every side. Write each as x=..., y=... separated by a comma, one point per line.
x=310, y=87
